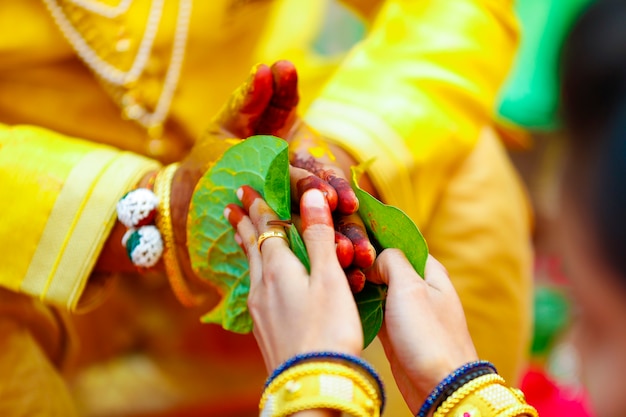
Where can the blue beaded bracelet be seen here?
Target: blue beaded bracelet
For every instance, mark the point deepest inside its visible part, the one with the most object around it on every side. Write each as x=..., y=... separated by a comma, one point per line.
x=355, y=360
x=441, y=389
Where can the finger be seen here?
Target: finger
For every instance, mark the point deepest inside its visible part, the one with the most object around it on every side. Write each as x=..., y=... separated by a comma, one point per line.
x=391, y=268
x=248, y=196
x=246, y=105
x=263, y=218
x=345, y=250
x=343, y=245
x=317, y=230
x=437, y=275
x=302, y=180
x=235, y=214
x=356, y=279
x=347, y=201
x=278, y=116
x=352, y=227
x=247, y=234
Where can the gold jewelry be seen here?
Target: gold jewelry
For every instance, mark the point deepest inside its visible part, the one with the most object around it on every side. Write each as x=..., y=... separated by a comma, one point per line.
x=271, y=233
x=465, y=391
x=520, y=410
x=163, y=190
x=314, y=385
x=485, y=395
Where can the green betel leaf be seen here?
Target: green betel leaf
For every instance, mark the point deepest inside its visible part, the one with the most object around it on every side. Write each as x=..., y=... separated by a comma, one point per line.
x=262, y=163
x=388, y=227
x=371, y=304
x=298, y=247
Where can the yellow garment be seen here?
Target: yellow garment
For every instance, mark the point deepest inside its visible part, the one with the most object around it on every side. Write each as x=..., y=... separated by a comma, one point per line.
x=417, y=93
x=418, y=96
x=71, y=187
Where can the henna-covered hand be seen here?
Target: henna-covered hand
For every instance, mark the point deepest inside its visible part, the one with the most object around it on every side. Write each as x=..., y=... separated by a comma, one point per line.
x=266, y=104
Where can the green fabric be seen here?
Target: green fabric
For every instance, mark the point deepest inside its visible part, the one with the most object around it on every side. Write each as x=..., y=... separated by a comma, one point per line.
x=530, y=98
x=551, y=317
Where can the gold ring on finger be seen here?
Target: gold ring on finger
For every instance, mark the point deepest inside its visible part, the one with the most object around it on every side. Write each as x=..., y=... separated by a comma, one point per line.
x=271, y=233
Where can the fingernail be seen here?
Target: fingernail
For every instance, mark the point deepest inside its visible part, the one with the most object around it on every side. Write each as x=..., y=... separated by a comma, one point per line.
x=248, y=196
x=314, y=199
x=234, y=214
x=314, y=209
x=239, y=193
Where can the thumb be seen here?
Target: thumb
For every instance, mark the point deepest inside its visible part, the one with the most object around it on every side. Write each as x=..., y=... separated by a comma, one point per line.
x=246, y=105
x=390, y=266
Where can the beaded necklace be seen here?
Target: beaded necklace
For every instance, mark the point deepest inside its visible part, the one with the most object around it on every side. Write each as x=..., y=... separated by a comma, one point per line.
x=119, y=81
x=103, y=9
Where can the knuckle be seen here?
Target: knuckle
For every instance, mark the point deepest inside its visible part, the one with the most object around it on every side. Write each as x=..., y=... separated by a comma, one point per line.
x=319, y=233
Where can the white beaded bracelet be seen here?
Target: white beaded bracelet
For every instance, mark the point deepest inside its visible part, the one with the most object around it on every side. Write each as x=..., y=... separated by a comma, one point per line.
x=137, y=208
x=144, y=246
x=143, y=241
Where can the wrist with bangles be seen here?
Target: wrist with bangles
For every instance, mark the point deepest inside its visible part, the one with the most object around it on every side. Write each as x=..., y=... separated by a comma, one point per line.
x=472, y=390
x=330, y=380
x=146, y=212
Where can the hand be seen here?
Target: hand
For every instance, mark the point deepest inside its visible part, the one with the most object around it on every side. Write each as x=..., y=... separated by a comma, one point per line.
x=266, y=105
x=424, y=333
x=294, y=312
x=341, y=197
x=267, y=99
x=311, y=153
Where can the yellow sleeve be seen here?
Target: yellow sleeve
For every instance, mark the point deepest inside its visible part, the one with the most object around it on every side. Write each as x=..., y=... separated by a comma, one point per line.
x=60, y=195
x=481, y=233
x=415, y=93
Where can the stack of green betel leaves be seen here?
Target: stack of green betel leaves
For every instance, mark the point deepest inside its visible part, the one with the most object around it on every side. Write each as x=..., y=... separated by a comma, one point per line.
x=262, y=162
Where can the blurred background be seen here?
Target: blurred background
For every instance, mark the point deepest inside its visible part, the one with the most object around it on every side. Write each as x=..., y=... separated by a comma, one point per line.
x=528, y=112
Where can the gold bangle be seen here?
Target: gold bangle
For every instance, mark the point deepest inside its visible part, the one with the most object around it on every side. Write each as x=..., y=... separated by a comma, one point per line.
x=486, y=395
x=315, y=385
x=175, y=276
x=520, y=410
x=465, y=391
x=318, y=368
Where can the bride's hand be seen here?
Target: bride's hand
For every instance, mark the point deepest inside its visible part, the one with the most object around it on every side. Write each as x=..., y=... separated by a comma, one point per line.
x=424, y=333
x=294, y=311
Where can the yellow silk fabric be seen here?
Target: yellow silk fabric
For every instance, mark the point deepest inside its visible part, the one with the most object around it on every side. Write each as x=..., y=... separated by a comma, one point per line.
x=61, y=211
x=417, y=94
